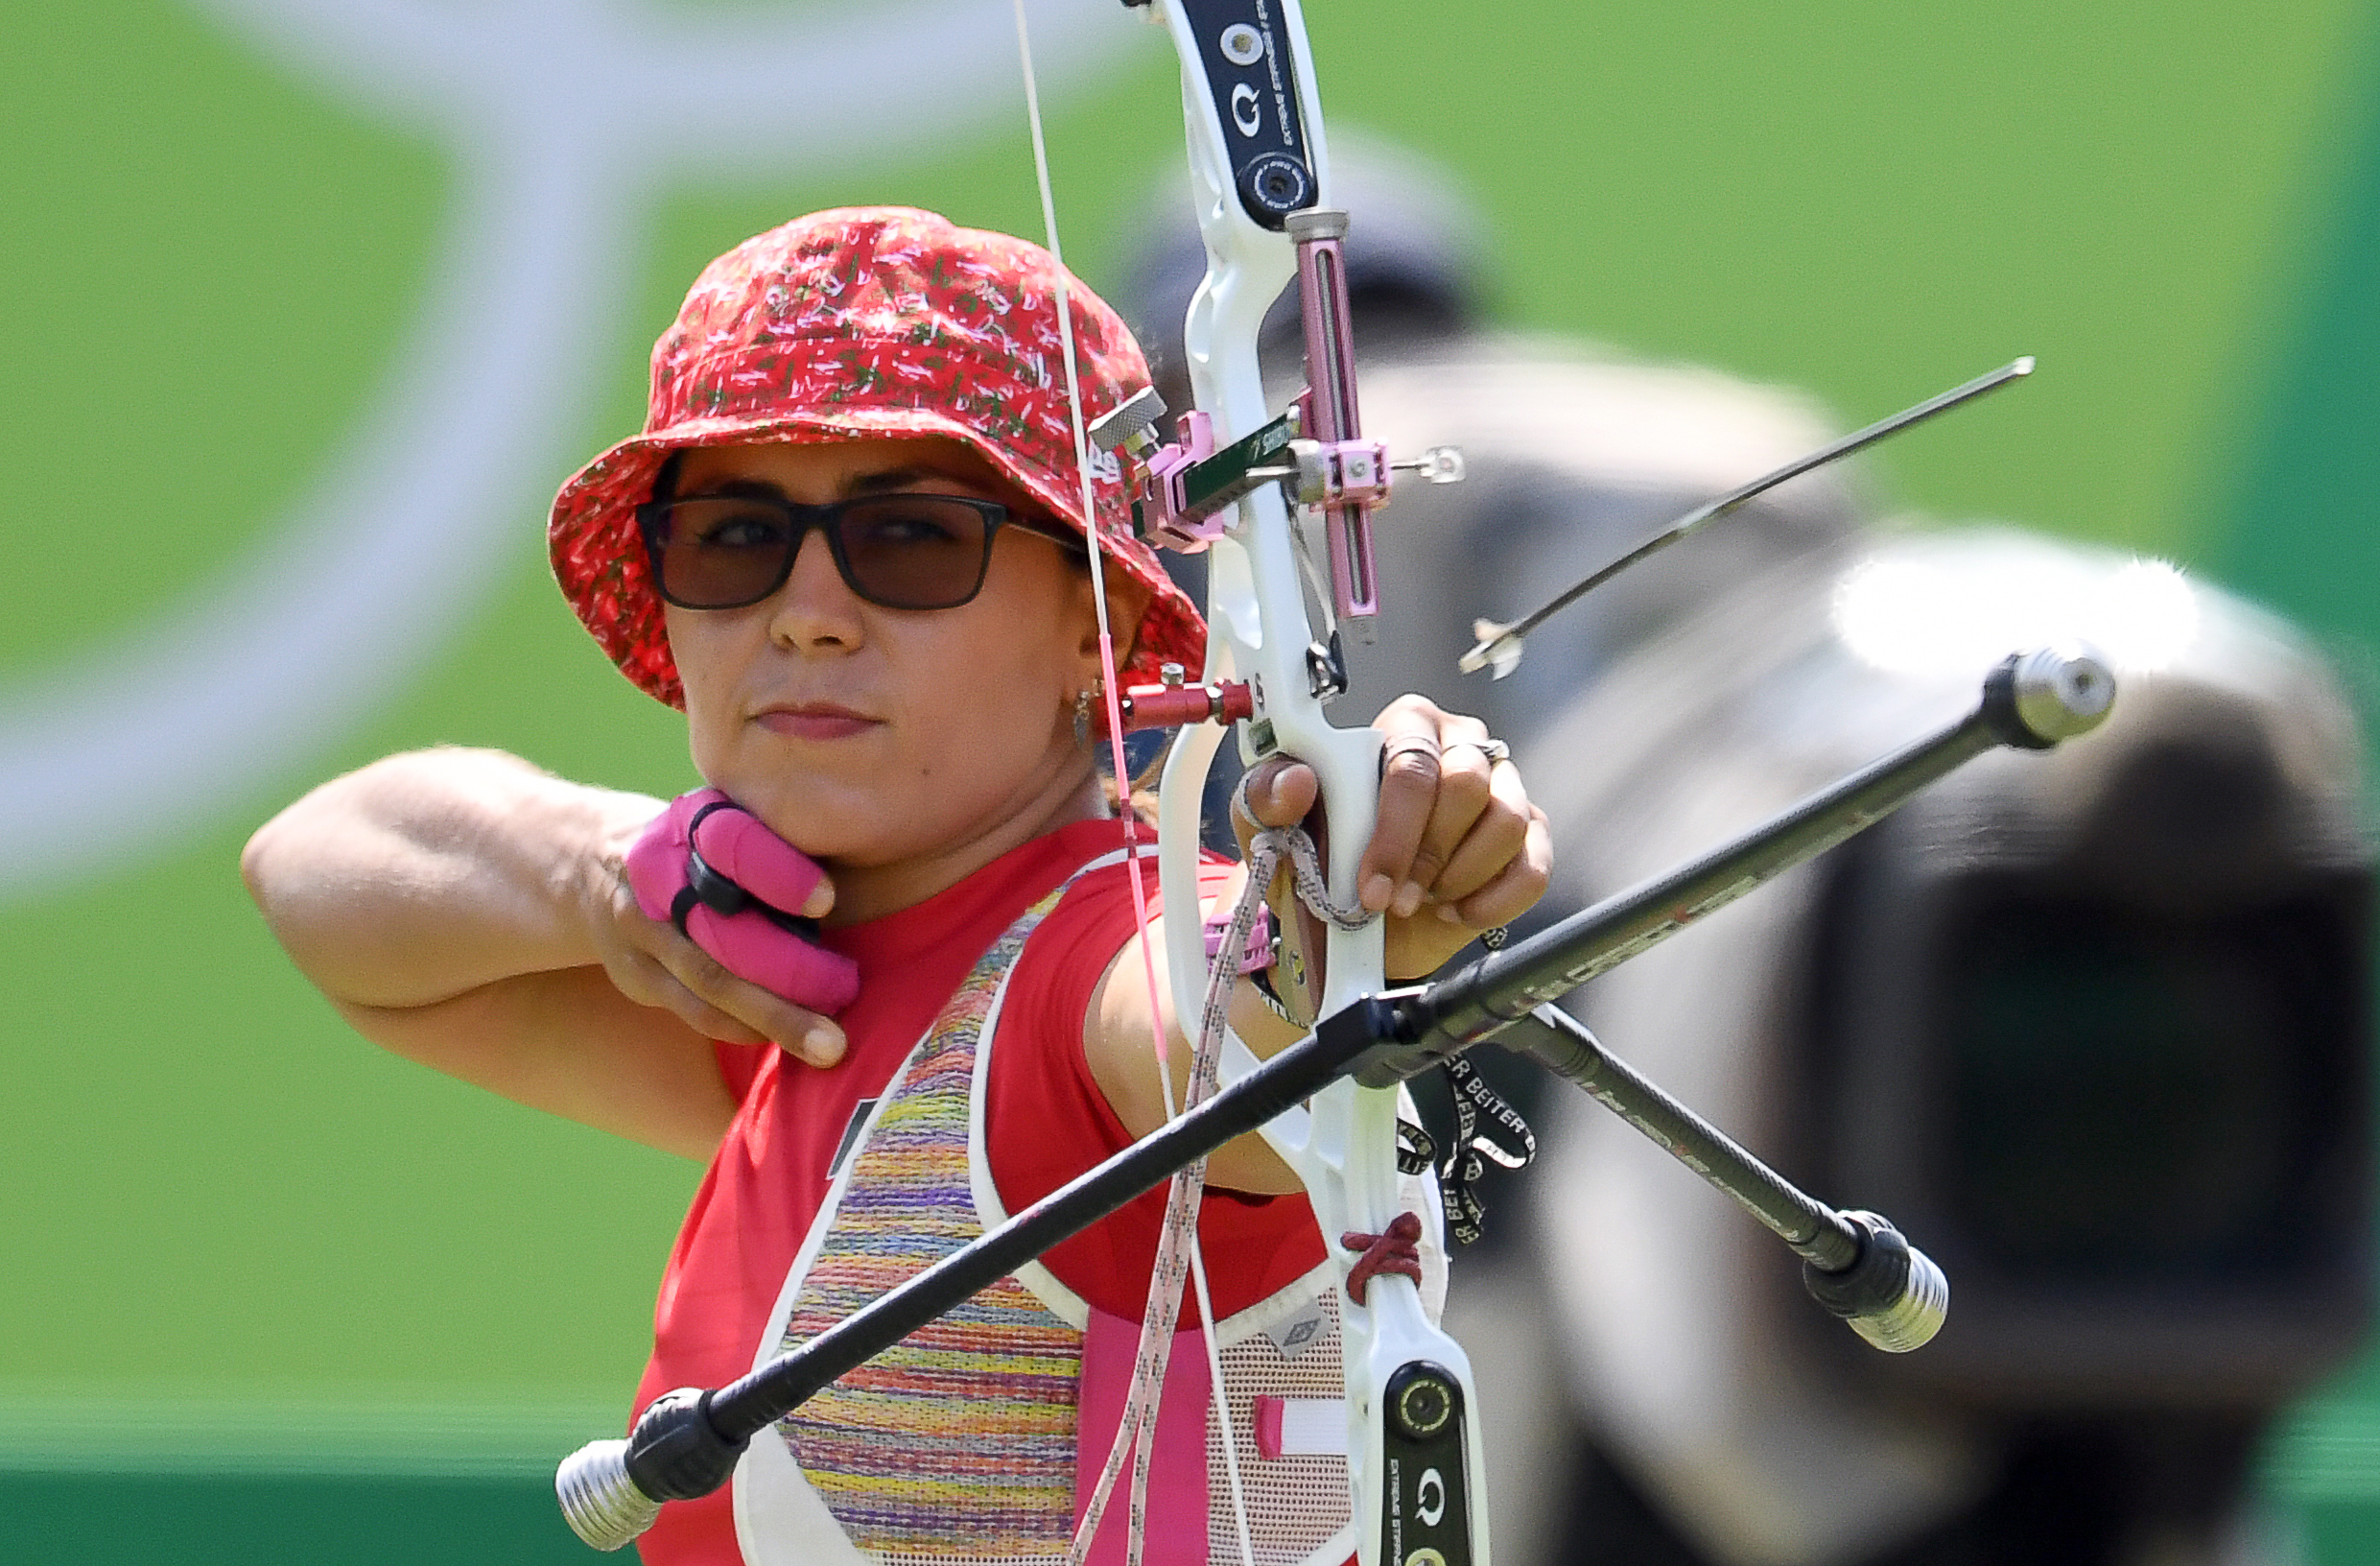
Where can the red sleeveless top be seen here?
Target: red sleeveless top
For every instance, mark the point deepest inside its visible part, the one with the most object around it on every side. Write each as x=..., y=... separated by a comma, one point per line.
x=1046, y=1122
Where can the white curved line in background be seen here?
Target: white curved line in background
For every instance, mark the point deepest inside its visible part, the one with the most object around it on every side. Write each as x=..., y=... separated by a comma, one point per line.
x=564, y=114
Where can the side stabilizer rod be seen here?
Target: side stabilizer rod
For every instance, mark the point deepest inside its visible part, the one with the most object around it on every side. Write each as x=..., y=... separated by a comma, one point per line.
x=1855, y=1264
x=688, y=1441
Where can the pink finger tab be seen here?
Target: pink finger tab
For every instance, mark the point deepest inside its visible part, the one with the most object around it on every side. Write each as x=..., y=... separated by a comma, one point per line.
x=656, y=865
x=736, y=843
x=760, y=951
x=687, y=806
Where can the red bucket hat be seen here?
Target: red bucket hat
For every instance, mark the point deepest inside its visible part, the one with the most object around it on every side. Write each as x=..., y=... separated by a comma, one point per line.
x=857, y=322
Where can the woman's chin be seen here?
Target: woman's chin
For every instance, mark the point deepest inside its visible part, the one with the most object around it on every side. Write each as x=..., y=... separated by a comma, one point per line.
x=865, y=823
x=852, y=833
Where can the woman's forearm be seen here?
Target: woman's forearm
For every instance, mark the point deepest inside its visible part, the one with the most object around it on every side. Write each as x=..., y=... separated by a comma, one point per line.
x=431, y=873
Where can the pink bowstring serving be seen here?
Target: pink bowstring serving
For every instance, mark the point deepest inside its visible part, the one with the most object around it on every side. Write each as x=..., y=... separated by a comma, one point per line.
x=778, y=877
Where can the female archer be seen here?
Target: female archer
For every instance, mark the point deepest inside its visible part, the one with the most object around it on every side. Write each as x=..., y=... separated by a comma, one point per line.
x=849, y=543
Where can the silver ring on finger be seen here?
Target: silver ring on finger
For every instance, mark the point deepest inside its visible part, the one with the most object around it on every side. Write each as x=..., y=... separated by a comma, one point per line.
x=1495, y=751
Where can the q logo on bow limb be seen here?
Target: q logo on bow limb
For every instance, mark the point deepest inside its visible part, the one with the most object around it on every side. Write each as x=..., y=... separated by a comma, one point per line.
x=1246, y=116
x=1429, y=1497
x=565, y=116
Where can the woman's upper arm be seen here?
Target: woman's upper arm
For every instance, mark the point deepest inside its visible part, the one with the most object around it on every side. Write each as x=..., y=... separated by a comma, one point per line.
x=429, y=873
x=568, y=1042
x=1118, y=1046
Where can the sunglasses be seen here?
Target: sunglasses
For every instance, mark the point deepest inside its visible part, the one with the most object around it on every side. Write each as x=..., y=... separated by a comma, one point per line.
x=897, y=552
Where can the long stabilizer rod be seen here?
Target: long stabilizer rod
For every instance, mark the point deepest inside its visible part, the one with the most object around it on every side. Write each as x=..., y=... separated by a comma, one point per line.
x=2031, y=702
x=1501, y=644
x=687, y=1442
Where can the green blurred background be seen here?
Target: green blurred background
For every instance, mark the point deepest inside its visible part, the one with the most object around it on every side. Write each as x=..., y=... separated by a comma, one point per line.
x=272, y=1294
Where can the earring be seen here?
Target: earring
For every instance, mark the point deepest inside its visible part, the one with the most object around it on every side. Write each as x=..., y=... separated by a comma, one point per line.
x=1082, y=718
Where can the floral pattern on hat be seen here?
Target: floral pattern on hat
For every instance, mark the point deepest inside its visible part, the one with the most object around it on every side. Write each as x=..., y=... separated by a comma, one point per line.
x=860, y=322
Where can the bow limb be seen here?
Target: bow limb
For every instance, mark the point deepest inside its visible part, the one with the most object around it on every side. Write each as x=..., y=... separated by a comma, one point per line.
x=1344, y=1145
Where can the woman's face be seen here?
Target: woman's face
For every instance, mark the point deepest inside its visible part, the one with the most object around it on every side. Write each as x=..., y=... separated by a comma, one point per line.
x=870, y=737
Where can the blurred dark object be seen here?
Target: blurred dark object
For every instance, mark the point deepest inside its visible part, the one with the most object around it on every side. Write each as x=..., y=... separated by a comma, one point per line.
x=2093, y=1026
x=2062, y=1495
x=2118, y=1037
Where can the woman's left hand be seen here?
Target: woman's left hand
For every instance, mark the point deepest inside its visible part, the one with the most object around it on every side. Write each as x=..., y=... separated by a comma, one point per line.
x=1456, y=847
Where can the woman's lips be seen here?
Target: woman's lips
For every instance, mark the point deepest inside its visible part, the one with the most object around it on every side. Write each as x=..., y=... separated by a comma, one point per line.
x=816, y=721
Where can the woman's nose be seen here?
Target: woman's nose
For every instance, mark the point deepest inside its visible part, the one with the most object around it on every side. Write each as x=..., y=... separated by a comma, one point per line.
x=816, y=608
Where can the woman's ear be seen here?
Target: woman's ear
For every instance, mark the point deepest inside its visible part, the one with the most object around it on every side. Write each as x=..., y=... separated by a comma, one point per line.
x=1127, y=603
x=1081, y=667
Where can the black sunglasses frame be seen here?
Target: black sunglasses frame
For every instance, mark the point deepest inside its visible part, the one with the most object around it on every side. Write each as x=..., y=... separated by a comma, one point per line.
x=653, y=521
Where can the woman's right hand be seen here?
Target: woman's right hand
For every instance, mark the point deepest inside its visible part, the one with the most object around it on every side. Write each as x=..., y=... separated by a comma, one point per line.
x=470, y=912
x=737, y=977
